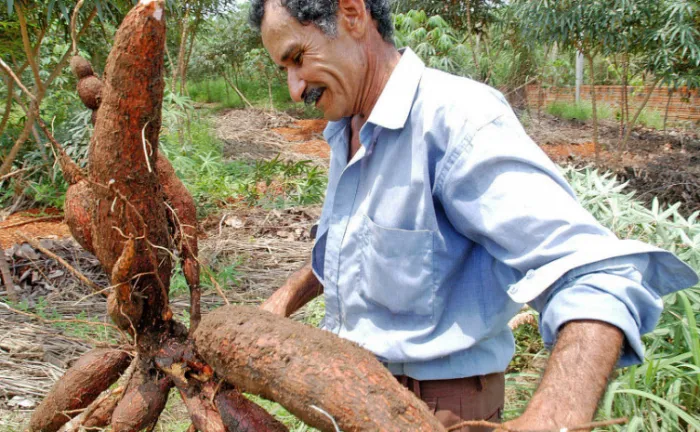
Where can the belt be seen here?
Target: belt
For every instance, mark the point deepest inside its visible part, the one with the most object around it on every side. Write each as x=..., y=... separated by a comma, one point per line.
x=442, y=388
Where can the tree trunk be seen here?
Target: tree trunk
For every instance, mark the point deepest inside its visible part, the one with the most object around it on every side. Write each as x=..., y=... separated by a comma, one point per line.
x=6, y=166
x=269, y=93
x=470, y=36
x=8, y=105
x=623, y=100
x=630, y=124
x=240, y=94
x=186, y=64
x=173, y=69
x=183, y=47
x=668, y=105
x=596, y=144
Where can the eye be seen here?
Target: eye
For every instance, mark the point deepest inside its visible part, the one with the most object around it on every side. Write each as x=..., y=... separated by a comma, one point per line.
x=298, y=58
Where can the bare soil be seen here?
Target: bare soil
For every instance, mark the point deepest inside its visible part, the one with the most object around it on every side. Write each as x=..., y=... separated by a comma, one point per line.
x=656, y=164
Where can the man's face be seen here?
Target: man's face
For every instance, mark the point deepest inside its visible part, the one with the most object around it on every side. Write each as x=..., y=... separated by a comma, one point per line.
x=321, y=70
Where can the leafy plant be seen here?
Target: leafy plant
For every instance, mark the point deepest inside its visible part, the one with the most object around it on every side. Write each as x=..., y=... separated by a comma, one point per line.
x=664, y=392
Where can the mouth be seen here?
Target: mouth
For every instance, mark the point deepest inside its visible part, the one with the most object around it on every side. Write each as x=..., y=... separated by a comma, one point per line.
x=312, y=96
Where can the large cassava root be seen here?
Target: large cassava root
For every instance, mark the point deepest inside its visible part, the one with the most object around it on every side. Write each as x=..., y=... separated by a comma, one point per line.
x=132, y=212
x=141, y=405
x=92, y=374
x=291, y=363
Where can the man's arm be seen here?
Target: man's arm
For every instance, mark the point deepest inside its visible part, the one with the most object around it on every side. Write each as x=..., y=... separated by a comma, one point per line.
x=575, y=378
x=300, y=288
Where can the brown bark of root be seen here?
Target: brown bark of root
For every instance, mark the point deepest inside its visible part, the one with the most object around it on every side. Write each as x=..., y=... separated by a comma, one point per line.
x=102, y=414
x=90, y=91
x=77, y=208
x=92, y=374
x=300, y=367
x=182, y=217
x=241, y=415
x=141, y=405
x=123, y=153
x=81, y=67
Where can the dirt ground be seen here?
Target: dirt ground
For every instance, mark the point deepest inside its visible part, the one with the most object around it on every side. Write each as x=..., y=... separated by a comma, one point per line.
x=661, y=164
x=260, y=247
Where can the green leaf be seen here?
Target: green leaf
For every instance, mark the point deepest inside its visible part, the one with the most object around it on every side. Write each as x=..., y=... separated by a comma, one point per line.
x=691, y=420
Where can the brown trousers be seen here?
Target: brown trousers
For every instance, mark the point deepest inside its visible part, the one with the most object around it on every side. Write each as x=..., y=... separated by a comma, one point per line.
x=456, y=400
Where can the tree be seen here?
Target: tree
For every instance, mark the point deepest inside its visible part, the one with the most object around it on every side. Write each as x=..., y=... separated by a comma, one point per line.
x=471, y=17
x=664, y=35
x=26, y=27
x=258, y=63
x=188, y=16
x=221, y=50
x=433, y=40
x=586, y=27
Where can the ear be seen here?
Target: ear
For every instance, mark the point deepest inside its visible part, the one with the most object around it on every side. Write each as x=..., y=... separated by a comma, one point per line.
x=353, y=17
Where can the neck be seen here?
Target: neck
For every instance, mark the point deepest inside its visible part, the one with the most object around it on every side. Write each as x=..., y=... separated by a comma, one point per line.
x=382, y=58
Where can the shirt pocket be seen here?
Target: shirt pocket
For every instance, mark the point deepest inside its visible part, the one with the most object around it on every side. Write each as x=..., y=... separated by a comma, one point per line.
x=396, y=269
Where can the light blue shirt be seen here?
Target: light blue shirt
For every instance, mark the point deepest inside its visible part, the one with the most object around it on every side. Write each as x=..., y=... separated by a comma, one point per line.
x=449, y=218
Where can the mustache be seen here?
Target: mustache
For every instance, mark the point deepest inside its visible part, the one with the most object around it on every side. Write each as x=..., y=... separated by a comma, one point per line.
x=312, y=96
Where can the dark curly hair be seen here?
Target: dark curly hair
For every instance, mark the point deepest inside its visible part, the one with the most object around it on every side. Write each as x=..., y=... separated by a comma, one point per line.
x=322, y=13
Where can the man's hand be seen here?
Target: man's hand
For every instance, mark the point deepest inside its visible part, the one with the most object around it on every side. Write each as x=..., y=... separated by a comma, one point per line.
x=300, y=288
x=575, y=379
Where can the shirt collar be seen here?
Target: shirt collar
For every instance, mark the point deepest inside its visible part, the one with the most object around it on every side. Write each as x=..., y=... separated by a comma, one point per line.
x=394, y=104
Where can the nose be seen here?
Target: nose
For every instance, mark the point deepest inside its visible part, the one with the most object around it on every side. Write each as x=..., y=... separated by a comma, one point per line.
x=296, y=85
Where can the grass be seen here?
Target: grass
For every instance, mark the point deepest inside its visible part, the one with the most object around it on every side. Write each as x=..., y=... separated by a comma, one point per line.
x=583, y=111
x=89, y=329
x=217, y=91
x=216, y=183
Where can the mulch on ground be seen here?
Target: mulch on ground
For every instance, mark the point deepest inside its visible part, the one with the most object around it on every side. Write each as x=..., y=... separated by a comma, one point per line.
x=40, y=224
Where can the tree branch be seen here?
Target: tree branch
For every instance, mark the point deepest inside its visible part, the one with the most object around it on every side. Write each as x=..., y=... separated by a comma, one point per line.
x=73, y=22
x=12, y=75
x=8, y=105
x=61, y=63
x=10, y=158
x=633, y=122
x=28, y=48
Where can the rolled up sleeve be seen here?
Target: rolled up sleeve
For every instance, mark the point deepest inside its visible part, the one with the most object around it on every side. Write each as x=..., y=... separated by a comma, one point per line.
x=611, y=291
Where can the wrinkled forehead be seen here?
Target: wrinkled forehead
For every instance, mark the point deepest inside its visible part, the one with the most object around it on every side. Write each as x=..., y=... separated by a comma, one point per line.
x=282, y=33
x=279, y=29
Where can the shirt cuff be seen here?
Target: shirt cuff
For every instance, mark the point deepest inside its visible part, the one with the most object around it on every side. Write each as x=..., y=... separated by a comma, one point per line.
x=623, y=302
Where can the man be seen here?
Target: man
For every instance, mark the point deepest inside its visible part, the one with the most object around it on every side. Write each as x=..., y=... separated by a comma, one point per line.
x=442, y=217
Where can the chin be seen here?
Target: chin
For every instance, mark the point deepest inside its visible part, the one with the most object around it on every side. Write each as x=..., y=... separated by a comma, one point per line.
x=331, y=116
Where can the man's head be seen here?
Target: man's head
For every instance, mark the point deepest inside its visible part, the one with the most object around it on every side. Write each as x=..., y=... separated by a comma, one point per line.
x=327, y=47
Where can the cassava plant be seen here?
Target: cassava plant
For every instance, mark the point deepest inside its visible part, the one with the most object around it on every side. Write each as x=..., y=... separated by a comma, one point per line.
x=130, y=211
